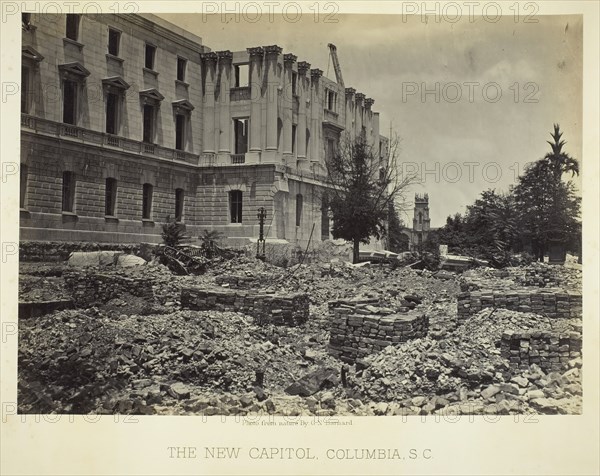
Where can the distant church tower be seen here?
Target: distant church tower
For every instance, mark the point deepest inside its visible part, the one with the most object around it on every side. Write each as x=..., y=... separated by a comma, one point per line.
x=420, y=220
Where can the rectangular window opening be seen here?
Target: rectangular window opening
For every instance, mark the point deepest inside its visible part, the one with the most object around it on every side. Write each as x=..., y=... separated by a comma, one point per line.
x=147, y=201
x=240, y=130
x=68, y=192
x=331, y=100
x=112, y=104
x=114, y=38
x=72, y=27
x=235, y=206
x=293, y=139
x=148, y=124
x=69, y=102
x=150, y=56
x=179, y=197
x=181, y=66
x=242, y=75
x=110, y=197
x=180, y=123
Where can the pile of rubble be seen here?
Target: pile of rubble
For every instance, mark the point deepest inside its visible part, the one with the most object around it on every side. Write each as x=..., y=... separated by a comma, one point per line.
x=90, y=361
x=136, y=354
x=427, y=375
x=537, y=275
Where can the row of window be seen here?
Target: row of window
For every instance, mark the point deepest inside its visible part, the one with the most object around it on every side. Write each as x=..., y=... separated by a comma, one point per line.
x=69, y=185
x=72, y=32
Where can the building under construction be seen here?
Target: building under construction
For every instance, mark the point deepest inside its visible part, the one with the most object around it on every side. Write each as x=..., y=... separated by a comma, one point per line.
x=127, y=120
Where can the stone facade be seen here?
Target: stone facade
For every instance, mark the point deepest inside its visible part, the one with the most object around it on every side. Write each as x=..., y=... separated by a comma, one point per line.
x=288, y=310
x=127, y=119
x=361, y=327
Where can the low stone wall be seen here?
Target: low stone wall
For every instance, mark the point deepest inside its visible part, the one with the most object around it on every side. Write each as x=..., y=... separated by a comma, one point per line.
x=360, y=328
x=549, y=350
x=88, y=287
x=550, y=302
x=288, y=310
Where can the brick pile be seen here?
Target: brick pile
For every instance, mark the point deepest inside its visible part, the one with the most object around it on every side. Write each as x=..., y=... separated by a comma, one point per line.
x=550, y=350
x=289, y=310
x=237, y=281
x=362, y=327
x=550, y=302
x=545, y=276
x=88, y=287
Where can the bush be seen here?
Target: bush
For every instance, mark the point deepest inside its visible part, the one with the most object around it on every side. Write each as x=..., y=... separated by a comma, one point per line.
x=173, y=233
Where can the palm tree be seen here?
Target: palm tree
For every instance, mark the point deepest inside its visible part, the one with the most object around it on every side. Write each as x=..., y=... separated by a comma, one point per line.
x=558, y=161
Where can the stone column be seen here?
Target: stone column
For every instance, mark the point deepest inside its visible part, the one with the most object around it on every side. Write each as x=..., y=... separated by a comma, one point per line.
x=225, y=58
x=256, y=58
x=359, y=111
x=376, y=134
x=288, y=61
x=316, y=113
x=369, y=122
x=271, y=58
x=350, y=112
x=210, y=60
x=303, y=67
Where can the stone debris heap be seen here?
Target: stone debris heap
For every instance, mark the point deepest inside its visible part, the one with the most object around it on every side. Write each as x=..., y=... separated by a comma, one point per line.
x=89, y=286
x=361, y=327
x=550, y=302
x=289, y=310
x=551, y=351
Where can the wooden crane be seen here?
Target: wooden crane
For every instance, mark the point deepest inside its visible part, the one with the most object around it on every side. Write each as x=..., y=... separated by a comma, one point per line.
x=336, y=64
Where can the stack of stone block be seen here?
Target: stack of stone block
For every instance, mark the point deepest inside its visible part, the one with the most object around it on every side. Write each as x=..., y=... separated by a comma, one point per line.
x=288, y=310
x=236, y=281
x=88, y=287
x=362, y=327
x=549, y=350
x=555, y=303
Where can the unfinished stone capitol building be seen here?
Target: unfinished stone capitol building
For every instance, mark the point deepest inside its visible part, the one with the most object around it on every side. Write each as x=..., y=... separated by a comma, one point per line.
x=127, y=119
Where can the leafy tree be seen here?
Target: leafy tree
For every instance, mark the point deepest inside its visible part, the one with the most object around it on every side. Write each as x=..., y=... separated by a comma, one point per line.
x=209, y=242
x=173, y=232
x=488, y=230
x=548, y=208
x=397, y=241
x=361, y=188
x=557, y=161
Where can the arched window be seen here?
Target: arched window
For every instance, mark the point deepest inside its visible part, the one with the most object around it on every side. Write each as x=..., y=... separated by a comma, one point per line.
x=420, y=218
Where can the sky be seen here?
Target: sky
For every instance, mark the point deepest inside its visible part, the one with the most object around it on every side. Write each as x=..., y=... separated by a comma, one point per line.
x=471, y=101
